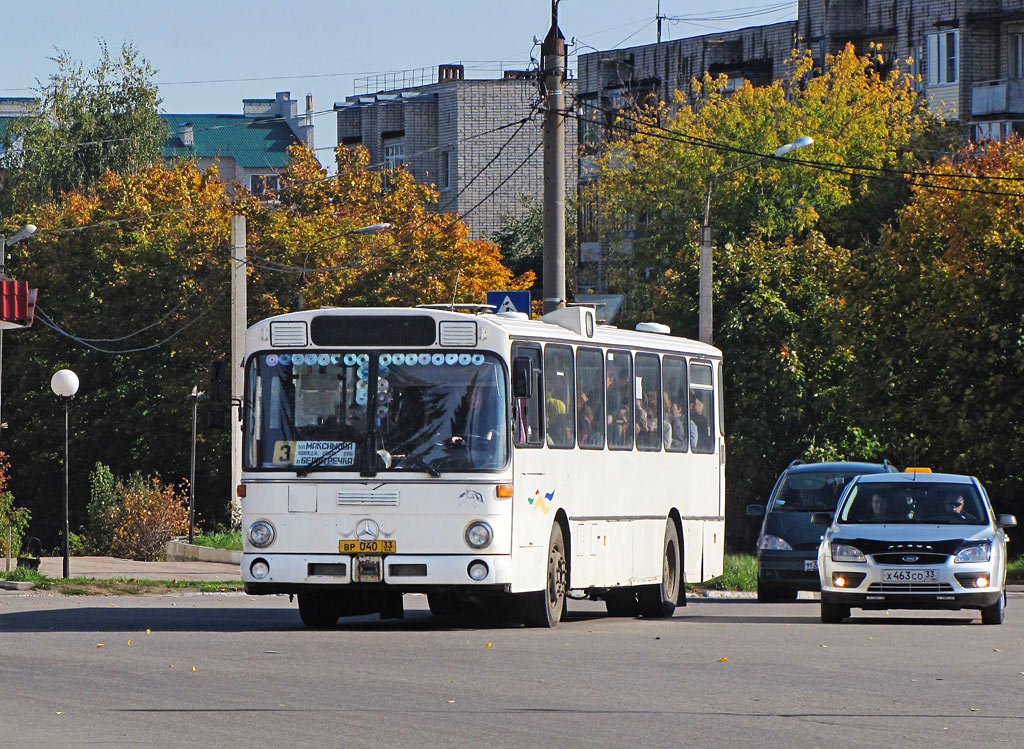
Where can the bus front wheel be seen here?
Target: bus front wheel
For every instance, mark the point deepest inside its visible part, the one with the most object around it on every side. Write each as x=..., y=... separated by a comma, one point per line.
x=659, y=601
x=544, y=608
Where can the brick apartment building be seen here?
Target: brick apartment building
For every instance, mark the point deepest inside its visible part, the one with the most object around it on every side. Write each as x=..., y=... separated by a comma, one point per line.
x=444, y=128
x=969, y=54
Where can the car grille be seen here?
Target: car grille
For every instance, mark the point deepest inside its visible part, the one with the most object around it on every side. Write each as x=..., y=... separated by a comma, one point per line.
x=910, y=588
x=911, y=558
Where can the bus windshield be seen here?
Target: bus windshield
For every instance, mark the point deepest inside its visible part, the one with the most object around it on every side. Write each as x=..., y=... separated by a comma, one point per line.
x=422, y=412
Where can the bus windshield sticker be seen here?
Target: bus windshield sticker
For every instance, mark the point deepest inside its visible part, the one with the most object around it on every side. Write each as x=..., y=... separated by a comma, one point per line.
x=300, y=453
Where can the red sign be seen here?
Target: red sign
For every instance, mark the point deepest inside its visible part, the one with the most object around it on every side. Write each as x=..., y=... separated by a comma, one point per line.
x=18, y=304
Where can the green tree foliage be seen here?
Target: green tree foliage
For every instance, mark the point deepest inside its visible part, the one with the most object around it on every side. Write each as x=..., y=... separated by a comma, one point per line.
x=87, y=122
x=158, y=290
x=778, y=227
x=934, y=320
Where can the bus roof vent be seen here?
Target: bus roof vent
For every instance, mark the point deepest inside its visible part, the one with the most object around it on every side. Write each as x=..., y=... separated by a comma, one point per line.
x=288, y=334
x=653, y=327
x=513, y=315
x=580, y=320
x=457, y=332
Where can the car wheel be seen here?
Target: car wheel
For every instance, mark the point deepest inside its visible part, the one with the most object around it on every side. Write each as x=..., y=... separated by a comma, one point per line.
x=995, y=613
x=833, y=613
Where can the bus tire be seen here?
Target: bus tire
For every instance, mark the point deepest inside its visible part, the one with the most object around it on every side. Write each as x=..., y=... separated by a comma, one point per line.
x=659, y=601
x=319, y=608
x=544, y=608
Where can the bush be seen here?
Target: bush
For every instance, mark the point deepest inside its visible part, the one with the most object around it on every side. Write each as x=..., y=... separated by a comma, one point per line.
x=134, y=519
x=10, y=516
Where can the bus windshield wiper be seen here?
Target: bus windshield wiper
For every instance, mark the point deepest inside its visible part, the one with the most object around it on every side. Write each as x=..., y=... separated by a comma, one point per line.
x=321, y=458
x=417, y=461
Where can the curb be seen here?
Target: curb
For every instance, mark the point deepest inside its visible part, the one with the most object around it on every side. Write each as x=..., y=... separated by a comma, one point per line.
x=16, y=585
x=180, y=551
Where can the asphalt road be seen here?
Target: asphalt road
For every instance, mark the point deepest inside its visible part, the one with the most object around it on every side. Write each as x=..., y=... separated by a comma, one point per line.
x=232, y=670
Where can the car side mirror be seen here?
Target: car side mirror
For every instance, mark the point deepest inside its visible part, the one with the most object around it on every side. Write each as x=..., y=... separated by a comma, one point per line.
x=822, y=518
x=522, y=377
x=1006, y=521
x=755, y=511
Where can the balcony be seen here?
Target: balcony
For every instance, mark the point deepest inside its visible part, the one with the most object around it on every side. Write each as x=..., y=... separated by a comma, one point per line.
x=1004, y=96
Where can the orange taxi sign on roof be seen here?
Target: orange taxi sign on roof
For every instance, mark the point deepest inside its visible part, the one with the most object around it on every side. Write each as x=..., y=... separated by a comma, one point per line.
x=917, y=470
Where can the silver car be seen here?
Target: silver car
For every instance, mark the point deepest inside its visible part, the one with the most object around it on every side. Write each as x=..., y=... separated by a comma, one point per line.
x=914, y=540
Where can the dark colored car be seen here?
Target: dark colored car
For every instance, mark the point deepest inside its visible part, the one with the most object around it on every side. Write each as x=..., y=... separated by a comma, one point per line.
x=787, y=547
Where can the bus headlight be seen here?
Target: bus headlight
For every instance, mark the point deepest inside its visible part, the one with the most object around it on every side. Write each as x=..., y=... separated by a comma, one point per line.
x=478, y=534
x=261, y=534
x=259, y=569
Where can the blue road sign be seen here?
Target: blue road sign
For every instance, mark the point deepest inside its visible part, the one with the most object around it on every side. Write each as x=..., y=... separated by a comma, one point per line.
x=509, y=301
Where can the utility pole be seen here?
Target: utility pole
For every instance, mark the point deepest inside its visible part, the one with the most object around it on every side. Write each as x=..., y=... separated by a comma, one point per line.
x=553, y=71
x=238, y=328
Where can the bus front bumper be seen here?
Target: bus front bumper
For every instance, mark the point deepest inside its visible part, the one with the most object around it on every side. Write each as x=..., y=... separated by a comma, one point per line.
x=282, y=573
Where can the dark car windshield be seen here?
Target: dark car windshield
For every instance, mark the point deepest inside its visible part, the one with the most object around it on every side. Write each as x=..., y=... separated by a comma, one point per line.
x=918, y=503
x=810, y=492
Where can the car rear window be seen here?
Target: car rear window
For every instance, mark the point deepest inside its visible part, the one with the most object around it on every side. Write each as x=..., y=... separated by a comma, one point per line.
x=917, y=503
x=810, y=492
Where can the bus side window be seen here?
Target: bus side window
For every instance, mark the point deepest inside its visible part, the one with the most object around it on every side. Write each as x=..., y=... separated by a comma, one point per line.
x=528, y=425
x=648, y=403
x=702, y=408
x=620, y=390
x=590, y=386
x=559, y=400
x=675, y=404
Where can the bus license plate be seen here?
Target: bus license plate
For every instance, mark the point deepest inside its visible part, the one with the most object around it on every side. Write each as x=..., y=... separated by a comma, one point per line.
x=367, y=547
x=909, y=576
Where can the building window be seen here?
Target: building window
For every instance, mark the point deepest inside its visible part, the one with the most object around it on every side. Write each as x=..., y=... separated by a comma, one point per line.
x=1017, y=55
x=261, y=183
x=445, y=177
x=394, y=155
x=942, y=58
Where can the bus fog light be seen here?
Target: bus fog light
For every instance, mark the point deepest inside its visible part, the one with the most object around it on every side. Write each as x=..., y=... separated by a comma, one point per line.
x=261, y=534
x=478, y=570
x=259, y=569
x=479, y=534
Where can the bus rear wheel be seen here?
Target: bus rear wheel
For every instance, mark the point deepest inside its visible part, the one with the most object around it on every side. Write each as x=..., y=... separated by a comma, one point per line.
x=319, y=608
x=659, y=601
x=544, y=608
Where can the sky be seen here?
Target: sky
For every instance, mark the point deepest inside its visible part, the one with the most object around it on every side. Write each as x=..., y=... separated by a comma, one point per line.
x=210, y=54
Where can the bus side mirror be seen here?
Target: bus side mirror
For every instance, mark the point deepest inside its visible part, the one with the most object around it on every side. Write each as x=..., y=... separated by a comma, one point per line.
x=522, y=377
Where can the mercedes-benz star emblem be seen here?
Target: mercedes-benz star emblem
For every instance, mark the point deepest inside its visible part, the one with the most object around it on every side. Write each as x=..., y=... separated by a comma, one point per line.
x=367, y=530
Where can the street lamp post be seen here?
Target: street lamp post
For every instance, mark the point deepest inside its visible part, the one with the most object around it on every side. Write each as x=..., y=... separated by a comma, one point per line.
x=704, y=288
x=64, y=384
x=194, y=396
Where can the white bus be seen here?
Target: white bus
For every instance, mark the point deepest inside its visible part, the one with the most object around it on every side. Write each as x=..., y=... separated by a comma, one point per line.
x=486, y=460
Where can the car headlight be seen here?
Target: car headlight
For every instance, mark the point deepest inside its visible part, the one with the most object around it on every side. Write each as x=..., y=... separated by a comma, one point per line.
x=261, y=534
x=768, y=542
x=478, y=534
x=847, y=553
x=975, y=553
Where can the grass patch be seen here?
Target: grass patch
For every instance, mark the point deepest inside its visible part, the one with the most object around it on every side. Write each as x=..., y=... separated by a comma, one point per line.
x=1015, y=570
x=231, y=540
x=83, y=586
x=739, y=572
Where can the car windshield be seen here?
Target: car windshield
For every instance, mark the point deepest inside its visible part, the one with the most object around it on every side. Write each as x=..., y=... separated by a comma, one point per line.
x=810, y=492
x=923, y=503
x=432, y=412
